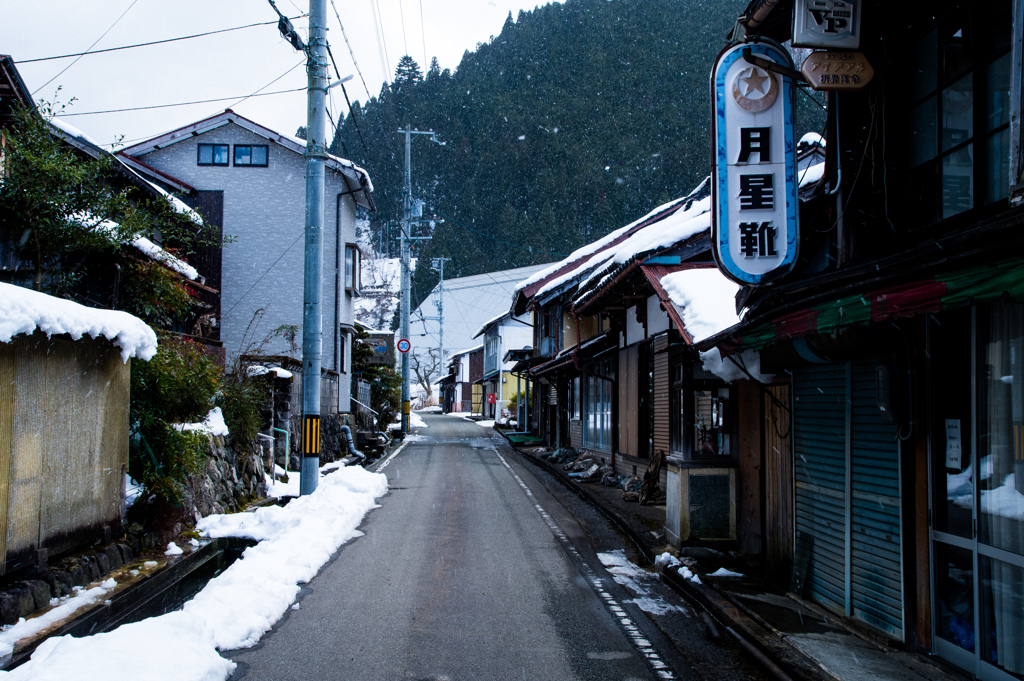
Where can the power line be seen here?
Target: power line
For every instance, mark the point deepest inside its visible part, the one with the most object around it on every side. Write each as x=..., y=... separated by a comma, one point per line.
x=382, y=45
x=153, y=42
x=165, y=106
x=90, y=47
x=351, y=53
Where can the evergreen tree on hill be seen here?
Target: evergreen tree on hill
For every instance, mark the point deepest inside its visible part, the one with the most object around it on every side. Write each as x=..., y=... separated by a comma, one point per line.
x=576, y=119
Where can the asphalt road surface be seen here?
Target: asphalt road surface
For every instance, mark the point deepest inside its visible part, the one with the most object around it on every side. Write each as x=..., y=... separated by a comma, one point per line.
x=473, y=568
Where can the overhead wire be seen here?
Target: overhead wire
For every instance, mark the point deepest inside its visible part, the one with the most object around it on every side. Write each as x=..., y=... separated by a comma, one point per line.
x=146, y=44
x=166, y=106
x=401, y=15
x=382, y=46
x=59, y=74
x=423, y=35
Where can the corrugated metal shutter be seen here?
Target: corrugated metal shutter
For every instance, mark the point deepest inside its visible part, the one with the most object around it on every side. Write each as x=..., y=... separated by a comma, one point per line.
x=876, y=580
x=846, y=464
x=819, y=450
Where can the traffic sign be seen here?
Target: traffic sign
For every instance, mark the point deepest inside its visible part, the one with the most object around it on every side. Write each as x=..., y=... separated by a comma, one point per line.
x=404, y=345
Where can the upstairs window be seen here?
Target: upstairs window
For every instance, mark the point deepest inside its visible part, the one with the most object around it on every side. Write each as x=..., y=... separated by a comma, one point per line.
x=213, y=155
x=959, y=121
x=352, y=267
x=254, y=155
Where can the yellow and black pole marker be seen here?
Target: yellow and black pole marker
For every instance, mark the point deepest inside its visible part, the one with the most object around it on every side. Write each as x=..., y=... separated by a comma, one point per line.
x=311, y=436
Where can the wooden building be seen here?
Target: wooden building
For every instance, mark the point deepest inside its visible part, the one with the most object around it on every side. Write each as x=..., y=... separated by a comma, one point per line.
x=894, y=486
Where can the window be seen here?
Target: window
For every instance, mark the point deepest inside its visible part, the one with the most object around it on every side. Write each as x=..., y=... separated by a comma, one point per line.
x=352, y=268
x=597, y=405
x=574, y=398
x=213, y=155
x=959, y=120
x=251, y=155
x=701, y=415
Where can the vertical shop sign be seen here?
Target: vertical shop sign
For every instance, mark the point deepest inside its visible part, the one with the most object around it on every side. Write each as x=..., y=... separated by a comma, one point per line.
x=754, y=186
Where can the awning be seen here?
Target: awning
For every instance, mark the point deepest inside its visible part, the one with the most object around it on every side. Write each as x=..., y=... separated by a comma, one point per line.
x=981, y=284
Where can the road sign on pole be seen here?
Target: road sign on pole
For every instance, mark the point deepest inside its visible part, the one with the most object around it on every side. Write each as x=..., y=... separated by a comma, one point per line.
x=404, y=345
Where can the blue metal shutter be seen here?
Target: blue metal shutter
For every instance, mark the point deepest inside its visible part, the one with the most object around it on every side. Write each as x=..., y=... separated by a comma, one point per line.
x=819, y=465
x=876, y=578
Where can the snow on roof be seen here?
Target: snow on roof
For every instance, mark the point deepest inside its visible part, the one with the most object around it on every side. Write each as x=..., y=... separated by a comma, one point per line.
x=672, y=229
x=589, y=249
x=165, y=258
x=705, y=298
x=176, y=203
x=490, y=323
x=469, y=302
x=71, y=130
x=23, y=310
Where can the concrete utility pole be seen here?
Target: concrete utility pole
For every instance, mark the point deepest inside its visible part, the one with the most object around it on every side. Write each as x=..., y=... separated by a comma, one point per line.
x=406, y=240
x=438, y=265
x=312, y=314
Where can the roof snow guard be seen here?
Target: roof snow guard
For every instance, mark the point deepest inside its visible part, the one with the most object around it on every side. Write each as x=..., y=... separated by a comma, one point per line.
x=357, y=178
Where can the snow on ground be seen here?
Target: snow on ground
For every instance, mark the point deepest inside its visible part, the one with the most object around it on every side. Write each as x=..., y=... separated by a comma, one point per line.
x=483, y=424
x=23, y=310
x=636, y=581
x=12, y=633
x=236, y=608
x=435, y=409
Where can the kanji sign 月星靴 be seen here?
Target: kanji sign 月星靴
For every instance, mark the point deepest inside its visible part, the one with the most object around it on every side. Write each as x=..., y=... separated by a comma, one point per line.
x=754, y=188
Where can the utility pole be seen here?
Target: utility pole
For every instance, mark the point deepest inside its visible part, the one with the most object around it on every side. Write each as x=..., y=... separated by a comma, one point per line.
x=438, y=265
x=406, y=239
x=312, y=315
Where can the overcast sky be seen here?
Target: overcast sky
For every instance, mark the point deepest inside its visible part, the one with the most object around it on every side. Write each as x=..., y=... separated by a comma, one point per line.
x=228, y=65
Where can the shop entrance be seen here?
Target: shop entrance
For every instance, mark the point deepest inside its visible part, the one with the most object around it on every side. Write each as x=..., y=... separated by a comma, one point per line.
x=976, y=415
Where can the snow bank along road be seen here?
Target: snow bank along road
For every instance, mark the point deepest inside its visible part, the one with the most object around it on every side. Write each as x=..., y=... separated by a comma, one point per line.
x=462, y=574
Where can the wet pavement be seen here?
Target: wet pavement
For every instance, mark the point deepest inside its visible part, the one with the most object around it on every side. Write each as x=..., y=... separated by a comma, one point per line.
x=794, y=639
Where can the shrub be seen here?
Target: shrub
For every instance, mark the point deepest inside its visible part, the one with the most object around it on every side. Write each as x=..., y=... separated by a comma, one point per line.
x=176, y=386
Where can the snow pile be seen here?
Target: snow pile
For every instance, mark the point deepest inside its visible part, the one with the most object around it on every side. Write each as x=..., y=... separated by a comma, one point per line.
x=723, y=572
x=22, y=311
x=727, y=369
x=213, y=425
x=236, y=608
x=260, y=370
x=415, y=421
x=667, y=562
x=173, y=550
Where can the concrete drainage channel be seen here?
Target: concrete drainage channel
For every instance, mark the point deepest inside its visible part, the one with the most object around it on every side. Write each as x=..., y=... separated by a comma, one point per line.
x=161, y=592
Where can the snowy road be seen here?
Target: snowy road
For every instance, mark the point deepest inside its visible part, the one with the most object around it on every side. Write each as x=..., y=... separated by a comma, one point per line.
x=467, y=571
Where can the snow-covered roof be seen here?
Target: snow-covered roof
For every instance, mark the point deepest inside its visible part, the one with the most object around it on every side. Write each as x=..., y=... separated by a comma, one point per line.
x=165, y=258
x=705, y=299
x=489, y=323
x=469, y=303
x=228, y=116
x=23, y=310
x=585, y=254
x=82, y=141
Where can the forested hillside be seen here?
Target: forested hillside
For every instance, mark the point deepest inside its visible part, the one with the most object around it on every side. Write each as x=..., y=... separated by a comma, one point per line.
x=575, y=120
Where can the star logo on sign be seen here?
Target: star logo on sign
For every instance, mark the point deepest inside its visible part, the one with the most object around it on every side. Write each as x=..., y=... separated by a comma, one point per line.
x=754, y=89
